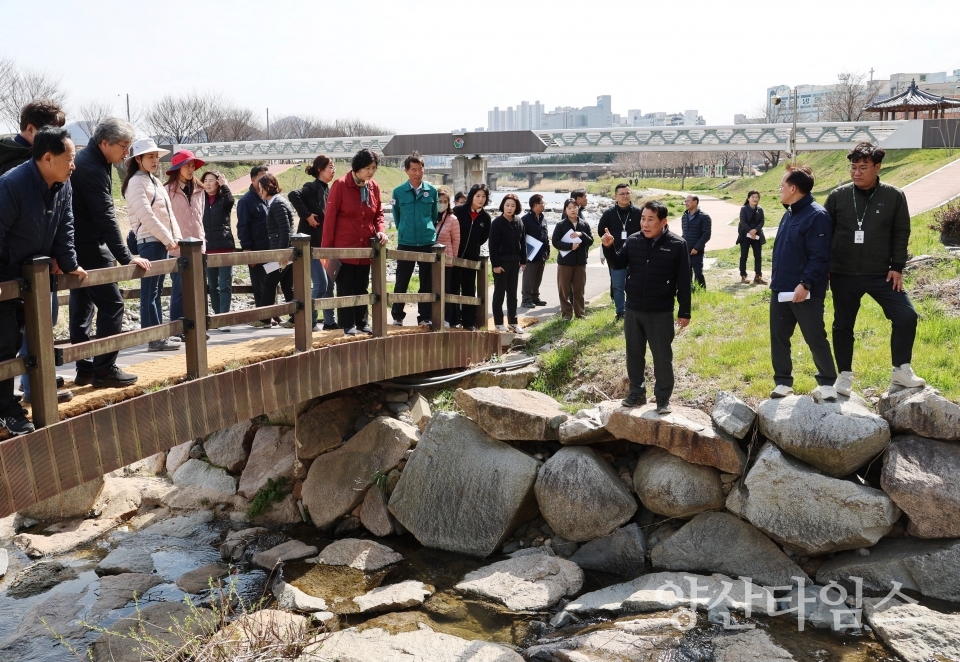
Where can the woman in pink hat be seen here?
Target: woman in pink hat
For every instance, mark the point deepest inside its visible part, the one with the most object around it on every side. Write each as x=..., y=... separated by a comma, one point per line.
x=186, y=195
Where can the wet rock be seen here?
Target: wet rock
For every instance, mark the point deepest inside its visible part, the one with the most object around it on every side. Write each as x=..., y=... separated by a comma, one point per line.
x=63, y=537
x=914, y=632
x=117, y=591
x=38, y=578
x=272, y=456
x=364, y=555
x=183, y=526
x=229, y=448
x=61, y=609
x=126, y=560
x=420, y=412
x=586, y=427
x=733, y=415
x=921, y=411
x=423, y=645
x=720, y=542
x=280, y=513
x=75, y=502
x=394, y=597
x=197, y=473
x=4, y=562
x=463, y=491
x=835, y=437
x=236, y=542
x=920, y=475
x=581, y=496
x=623, y=552
x=749, y=646
x=337, y=480
x=808, y=512
x=527, y=583
x=199, y=580
x=291, y=598
x=930, y=567
x=374, y=514
x=686, y=433
x=446, y=606
x=251, y=633
x=292, y=550
x=637, y=639
x=178, y=455
x=520, y=378
x=512, y=414
x=346, y=526
x=669, y=485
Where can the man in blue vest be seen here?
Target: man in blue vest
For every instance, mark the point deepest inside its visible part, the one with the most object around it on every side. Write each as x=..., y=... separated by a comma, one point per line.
x=415, y=217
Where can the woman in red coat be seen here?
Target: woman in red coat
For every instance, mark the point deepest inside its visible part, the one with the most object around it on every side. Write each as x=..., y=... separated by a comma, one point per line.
x=354, y=216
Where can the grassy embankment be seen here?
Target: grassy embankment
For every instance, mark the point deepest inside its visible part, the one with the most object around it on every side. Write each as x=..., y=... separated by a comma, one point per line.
x=727, y=343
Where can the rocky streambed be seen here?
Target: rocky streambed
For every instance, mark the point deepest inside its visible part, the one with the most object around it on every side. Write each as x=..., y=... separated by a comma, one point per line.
x=366, y=526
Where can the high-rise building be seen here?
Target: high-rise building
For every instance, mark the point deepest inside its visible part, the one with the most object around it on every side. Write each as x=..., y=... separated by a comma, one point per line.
x=533, y=116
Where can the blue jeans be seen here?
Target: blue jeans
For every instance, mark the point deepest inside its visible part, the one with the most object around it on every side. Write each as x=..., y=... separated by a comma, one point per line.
x=55, y=312
x=176, y=296
x=322, y=289
x=618, y=285
x=151, y=314
x=220, y=286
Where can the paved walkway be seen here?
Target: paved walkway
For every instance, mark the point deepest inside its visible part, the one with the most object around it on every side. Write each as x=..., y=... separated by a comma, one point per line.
x=725, y=216
x=931, y=191
x=241, y=185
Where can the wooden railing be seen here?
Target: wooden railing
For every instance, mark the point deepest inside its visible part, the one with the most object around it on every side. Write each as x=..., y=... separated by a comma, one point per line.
x=43, y=356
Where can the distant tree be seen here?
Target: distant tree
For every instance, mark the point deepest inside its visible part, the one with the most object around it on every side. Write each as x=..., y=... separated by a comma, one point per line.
x=185, y=118
x=19, y=87
x=234, y=123
x=92, y=113
x=848, y=98
x=742, y=160
x=628, y=163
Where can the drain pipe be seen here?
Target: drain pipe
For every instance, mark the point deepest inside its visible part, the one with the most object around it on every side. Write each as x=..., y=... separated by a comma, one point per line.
x=445, y=379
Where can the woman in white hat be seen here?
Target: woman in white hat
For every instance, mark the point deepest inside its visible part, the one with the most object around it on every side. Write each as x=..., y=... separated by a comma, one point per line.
x=151, y=218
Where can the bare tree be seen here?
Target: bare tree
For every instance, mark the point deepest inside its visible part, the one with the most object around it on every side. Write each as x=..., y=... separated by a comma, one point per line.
x=741, y=160
x=234, y=123
x=185, y=118
x=848, y=98
x=20, y=87
x=92, y=113
x=294, y=127
x=627, y=163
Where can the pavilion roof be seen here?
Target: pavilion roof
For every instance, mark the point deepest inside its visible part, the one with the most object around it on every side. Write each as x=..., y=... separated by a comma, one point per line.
x=913, y=98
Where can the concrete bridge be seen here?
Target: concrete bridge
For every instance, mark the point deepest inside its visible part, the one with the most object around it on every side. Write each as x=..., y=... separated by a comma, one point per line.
x=129, y=425
x=533, y=171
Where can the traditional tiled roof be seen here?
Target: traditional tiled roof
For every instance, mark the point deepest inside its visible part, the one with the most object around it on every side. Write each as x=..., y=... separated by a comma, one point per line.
x=913, y=98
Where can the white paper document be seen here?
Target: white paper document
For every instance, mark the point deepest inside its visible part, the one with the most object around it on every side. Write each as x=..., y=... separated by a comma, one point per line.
x=569, y=238
x=533, y=247
x=783, y=297
x=270, y=267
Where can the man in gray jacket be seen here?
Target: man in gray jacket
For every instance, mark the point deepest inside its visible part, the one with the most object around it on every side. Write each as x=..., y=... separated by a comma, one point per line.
x=871, y=230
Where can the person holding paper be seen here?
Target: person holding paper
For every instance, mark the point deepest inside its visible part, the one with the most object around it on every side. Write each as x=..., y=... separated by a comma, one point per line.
x=622, y=220
x=535, y=232
x=280, y=215
x=448, y=234
x=508, y=257
x=801, y=259
x=572, y=237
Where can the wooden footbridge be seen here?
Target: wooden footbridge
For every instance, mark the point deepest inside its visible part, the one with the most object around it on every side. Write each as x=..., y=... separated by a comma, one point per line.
x=62, y=454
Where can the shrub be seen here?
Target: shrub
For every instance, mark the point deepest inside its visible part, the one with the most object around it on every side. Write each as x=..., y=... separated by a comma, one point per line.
x=946, y=221
x=270, y=493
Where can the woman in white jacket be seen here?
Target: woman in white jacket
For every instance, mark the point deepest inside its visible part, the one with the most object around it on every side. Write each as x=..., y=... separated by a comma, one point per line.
x=151, y=218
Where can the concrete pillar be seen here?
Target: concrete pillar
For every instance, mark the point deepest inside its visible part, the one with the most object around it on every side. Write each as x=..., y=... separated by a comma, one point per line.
x=579, y=175
x=534, y=178
x=446, y=179
x=492, y=178
x=467, y=172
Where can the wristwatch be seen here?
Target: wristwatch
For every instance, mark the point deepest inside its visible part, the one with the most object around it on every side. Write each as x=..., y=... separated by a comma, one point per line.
x=806, y=286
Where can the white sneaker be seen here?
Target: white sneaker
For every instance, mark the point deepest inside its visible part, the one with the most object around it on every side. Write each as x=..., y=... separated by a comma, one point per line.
x=825, y=392
x=501, y=327
x=844, y=383
x=446, y=325
x=781, y=391
x=396, y=323
x=904, y=376
x=516, y=328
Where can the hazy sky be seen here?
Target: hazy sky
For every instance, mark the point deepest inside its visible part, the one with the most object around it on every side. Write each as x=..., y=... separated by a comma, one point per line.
x=431, y=66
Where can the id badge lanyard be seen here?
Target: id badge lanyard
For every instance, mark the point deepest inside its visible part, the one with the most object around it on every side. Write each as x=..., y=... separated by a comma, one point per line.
x=858, y=235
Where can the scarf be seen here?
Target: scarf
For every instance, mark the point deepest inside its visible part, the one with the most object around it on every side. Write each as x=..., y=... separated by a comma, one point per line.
x=364, y=191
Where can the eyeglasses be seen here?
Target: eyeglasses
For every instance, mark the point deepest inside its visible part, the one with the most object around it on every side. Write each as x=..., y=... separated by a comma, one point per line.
x=125, y=146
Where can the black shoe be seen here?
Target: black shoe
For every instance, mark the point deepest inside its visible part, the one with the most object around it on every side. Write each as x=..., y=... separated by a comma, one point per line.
x=331, y=327
x=83, y=378
x=540, y=302
x=17, y=424
x=618, y=318
x=526, y=304
x=60, y=381
x=114, y=378
x=634, y=400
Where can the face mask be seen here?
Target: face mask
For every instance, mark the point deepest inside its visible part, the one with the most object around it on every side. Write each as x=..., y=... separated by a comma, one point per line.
x=442, y=206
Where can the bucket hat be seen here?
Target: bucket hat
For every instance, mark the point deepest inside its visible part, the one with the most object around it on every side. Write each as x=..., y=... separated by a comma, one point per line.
x=145, y=146
x=182, y=157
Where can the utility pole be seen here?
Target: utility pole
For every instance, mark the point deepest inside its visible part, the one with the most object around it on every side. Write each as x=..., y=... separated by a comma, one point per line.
x=871, y=74
x=268, y=124
x=128, y=106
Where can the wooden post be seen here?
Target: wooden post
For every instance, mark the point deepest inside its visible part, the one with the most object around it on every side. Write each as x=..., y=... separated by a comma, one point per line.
x=38, y=322
x=302, y=292
x=482, y=289
x=193, y=277
x=439, y=275
x=378, y=278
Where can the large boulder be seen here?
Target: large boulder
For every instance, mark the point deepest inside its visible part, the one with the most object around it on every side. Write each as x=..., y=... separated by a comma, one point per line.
x=461, y=490
x=337, y=481
x=516, y=379
x=272, y=457
x=687, y=433
x=124, y=560
x=931, y=567
x=835, y=437
x=512, y=414
x=230, y=447
x=363, y=555
x=178, y=455
x=581, y=496
x=921, y=411
x=75, y=502
x=922, y=476
x=325, y=426
x=197, y=473
x=733, y=415
x=914, y=632
x=623, y=552
x=525, y=583
x=202, y=578
x=422, y=644
x=669, y=485
x=808, y=512
x=720, y=542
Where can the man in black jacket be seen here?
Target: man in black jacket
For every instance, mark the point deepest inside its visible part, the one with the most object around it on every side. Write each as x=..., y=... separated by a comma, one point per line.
x=659, y=266
x=621, y=221
x=252, y=233
x=99, y=245
x=534, y=225
x=37, y=114
x=696, y=227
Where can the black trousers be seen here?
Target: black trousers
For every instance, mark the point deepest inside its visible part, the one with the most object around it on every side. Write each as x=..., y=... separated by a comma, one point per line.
x=745, y=246
x=257, y=276
x=283, y=278
x=505, y=283
x=696, y=266
x=106, y=302
x=404, y=272
x=352, y=280
x=449, y=309
x=847, y=293
x=530, y=282
x=656, y=330
x=11, y=337
x=784, y=318
x=464, y=282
